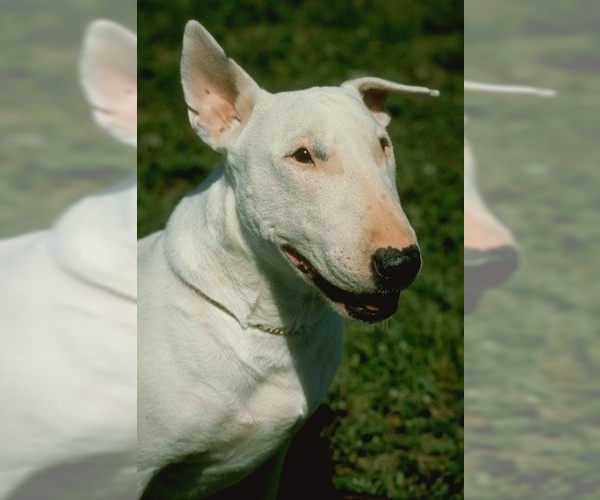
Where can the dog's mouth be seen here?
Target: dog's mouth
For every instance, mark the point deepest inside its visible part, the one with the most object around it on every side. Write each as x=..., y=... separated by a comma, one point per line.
x=369, y=307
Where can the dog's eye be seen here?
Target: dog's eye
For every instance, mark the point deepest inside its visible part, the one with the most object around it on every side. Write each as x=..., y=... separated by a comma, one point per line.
x=301, y=155
x=385, y=144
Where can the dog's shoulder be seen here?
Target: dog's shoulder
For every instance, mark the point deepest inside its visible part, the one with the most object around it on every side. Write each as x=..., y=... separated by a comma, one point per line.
x=95, y=239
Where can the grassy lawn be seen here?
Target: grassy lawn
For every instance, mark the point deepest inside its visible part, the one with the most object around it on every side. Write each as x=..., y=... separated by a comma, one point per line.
x=532, y=399
x=396, y=407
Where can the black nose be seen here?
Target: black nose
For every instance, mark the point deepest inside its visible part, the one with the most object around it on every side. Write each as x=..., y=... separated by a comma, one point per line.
x=394, y=268
x=490, y=268
x=487, y=269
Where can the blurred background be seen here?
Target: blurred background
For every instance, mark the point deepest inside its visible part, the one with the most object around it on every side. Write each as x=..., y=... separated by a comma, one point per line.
x=51, y=151
x=532, y=353
x=393, y=420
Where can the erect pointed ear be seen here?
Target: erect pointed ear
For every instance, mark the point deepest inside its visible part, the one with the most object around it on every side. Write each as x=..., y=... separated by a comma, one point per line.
x=219, y=94
x=375, y=90
x=108, y=73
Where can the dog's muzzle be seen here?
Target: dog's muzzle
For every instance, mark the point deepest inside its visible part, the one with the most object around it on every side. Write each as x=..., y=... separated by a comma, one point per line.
x=485, y=269
x=392, y=270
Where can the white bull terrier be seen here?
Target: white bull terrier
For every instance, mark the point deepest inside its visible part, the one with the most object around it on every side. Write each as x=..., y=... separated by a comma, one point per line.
x=491, y=253
x=68, y=312
x=238, y=338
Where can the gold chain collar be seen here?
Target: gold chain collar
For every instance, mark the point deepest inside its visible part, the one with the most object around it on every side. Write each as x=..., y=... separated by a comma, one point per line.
x=273, y=330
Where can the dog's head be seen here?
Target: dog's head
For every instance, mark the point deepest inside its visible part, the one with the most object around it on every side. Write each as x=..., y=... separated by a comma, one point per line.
x=313, y=173
x=491, y=254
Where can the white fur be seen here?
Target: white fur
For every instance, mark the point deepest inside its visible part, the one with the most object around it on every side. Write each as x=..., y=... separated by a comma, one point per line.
x=214, y=387
x=68, y=306
x=482, y=228
x=508, y=89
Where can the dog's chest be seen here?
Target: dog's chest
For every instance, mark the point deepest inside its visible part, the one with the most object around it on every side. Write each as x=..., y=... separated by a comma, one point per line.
x=261, y=404
x=248, y=408
x=263, y=421
x=241, y=431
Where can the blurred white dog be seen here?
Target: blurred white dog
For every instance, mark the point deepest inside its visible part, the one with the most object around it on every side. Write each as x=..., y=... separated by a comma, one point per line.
x=68, y=310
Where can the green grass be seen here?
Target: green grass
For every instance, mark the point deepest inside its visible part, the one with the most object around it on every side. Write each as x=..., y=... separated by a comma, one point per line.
x=398, y=396
x=532, y=355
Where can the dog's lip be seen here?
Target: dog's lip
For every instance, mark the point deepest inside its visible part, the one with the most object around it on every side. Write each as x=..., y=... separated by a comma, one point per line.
x=369, y=307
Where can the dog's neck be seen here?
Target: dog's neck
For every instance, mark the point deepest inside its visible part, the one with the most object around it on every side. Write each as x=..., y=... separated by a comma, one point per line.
x=211, y=253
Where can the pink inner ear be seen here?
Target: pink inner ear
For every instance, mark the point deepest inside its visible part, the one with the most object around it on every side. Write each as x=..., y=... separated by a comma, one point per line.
x=216, y=114
x=374, y=99
x=215, y=107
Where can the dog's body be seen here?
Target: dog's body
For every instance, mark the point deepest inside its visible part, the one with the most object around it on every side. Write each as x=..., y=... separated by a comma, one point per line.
x=68, y=309
x=238, y=341
x=491, y=253
x=228, y=402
